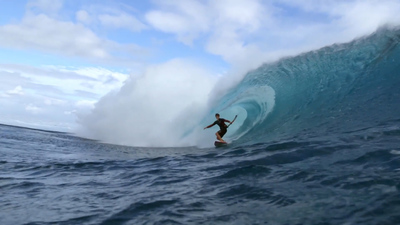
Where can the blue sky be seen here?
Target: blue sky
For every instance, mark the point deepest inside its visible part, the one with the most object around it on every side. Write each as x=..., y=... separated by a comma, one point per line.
x=60, y=59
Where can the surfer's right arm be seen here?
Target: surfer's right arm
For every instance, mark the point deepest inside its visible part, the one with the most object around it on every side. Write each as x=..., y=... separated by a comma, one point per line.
x=210, y=125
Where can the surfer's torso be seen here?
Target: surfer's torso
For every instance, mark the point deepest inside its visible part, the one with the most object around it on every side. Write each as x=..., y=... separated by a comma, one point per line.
x=221, y=123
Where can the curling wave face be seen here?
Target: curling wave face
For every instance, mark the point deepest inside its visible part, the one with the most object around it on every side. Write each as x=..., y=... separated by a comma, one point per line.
x=339, y=88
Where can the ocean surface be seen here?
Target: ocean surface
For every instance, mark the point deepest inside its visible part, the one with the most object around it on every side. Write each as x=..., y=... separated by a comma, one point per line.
x=317, y=141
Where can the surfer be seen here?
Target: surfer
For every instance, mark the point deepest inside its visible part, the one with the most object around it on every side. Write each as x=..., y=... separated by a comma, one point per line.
x=222, y=126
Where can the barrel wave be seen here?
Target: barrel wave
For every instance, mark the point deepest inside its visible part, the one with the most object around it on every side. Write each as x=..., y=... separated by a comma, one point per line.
x=337, y=89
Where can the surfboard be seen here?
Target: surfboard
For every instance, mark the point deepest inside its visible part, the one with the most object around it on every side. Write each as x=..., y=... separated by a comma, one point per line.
x=220, y=144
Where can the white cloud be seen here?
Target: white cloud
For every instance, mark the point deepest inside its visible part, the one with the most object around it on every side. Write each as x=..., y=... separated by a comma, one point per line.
x=11, y=71
x=43, y=32
x=83, y=16
x=16, y=91
x=56, y=82
x=122, y=20
x=228, y=24
x=102, y=82
x=46, y=34
x=54, y=102
x=239, y=15
x=252, y=32
x=33, y=109
x=44, y=94
x=187, y=19
x=363, y=17
x=48, y=6
x=346, y=20
x=85, y=104
x=168, y=22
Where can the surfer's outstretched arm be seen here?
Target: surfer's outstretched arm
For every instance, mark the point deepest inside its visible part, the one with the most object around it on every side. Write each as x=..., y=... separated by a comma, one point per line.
x=209, y=126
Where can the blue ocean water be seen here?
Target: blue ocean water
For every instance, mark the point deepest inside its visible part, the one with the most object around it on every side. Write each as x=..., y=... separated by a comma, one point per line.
x=318, y=142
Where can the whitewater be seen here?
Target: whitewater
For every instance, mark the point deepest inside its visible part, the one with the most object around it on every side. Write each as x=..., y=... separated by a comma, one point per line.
x=316, y=141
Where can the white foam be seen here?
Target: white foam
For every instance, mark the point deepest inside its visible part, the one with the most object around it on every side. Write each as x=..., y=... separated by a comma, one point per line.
x=154, y=109
x=395, y=152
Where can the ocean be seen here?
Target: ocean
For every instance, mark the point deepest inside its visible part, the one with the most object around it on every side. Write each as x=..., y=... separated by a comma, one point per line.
x=317, y=141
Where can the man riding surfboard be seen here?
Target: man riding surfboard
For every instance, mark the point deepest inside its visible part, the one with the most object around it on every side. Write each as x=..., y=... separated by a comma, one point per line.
x=222, y=126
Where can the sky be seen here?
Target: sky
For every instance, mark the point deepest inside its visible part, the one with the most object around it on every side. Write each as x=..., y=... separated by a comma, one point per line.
x=121, y=65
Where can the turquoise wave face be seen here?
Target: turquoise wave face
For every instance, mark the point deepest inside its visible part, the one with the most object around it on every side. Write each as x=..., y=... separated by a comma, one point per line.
x=340, y=88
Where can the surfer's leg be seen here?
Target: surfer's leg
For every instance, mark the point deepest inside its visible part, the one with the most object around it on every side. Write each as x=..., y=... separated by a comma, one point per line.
x=222, y=132
x=219, y=137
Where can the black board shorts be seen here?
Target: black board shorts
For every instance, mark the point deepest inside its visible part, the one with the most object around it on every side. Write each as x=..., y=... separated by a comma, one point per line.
x=222, y=132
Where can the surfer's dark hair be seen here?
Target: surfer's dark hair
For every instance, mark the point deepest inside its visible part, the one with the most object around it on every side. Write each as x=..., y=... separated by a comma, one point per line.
x=216, y=114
